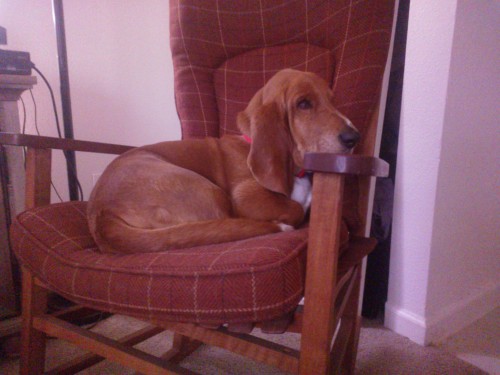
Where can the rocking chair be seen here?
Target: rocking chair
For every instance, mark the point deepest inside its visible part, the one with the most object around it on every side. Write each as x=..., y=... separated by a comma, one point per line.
x=223, y=52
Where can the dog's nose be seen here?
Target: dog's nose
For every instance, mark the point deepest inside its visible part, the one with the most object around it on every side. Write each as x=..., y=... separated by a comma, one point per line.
x=349, y=137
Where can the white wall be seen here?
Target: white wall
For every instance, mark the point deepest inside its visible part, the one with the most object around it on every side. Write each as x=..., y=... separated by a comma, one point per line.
x=120, y=72
x=445, y=262
x=465, y=239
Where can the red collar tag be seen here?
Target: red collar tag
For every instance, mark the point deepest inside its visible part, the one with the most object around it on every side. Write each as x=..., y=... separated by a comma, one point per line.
x=247, y=138
x=301, y=174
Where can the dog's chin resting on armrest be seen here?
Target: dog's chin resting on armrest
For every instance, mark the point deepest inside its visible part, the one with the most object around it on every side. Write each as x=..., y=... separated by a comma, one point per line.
x=204, y=191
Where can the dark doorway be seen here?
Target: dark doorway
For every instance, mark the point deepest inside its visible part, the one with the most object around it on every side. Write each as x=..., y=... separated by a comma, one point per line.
x=377, y=272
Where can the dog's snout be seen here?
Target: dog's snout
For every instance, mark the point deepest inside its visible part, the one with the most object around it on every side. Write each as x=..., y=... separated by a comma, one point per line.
x=349, y=137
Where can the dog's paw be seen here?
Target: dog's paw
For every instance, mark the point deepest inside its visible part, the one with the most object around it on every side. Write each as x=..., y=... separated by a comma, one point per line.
x=302, y=192
x=285, y=227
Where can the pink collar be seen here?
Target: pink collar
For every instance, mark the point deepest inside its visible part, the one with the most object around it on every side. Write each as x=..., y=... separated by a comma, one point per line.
x=247, y=138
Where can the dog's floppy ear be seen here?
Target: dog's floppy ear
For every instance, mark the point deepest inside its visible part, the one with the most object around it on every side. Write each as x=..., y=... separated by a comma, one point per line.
x=270, y=158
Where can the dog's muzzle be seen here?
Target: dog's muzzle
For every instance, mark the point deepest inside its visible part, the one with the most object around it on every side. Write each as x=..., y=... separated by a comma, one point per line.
x=349, y=138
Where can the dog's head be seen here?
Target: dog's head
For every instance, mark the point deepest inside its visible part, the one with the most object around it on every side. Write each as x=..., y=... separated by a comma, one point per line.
x=291, y=115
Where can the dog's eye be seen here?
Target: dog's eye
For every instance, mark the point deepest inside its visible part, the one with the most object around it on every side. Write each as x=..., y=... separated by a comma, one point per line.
x=304, y=104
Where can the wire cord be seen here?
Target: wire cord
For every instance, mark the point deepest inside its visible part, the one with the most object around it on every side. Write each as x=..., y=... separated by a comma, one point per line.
x=72, y=166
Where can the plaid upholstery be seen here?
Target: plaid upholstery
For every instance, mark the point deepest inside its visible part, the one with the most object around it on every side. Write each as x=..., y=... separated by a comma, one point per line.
x=210, y=38
x=225, y=51
x=250, y=280
x=239, y=78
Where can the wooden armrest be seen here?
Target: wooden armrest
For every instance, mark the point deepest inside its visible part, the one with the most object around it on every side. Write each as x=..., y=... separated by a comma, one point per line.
x=37, y=141
x=346, y=164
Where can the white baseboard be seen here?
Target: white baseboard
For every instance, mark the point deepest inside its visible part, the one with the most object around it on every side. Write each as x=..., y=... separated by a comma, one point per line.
x=405, y=323
x=449, y=320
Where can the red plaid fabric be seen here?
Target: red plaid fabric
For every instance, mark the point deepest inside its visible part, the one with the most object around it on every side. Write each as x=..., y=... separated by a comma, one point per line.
x=239, y=78
x=225, y=51
x=251, y=280
x=222, y=47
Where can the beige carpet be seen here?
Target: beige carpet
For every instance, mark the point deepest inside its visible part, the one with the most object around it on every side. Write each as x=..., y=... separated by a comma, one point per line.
x=380, y=352
x=478, y=343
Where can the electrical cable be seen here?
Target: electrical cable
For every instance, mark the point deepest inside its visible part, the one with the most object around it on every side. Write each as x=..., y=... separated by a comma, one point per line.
x=54, y=107
x=23, y=127
x=23, y=131
x=72, y=168
x=35, y=111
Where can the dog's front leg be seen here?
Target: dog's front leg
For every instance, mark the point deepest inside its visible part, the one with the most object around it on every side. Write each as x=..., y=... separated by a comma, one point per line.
x=251, y=200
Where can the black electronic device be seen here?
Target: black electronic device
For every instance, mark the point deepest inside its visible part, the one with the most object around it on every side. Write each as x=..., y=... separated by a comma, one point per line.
x=15, y=62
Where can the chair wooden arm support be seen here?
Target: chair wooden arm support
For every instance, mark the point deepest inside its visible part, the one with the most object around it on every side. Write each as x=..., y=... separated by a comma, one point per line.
x=42, y=142
x=39, y=160
x=323, y=268
x=346, y=164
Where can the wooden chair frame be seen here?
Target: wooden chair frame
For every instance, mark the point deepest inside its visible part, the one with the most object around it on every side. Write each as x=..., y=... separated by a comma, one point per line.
x=329, y=322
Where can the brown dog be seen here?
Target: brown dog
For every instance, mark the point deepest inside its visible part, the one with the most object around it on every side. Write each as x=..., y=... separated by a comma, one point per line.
x=196, y=192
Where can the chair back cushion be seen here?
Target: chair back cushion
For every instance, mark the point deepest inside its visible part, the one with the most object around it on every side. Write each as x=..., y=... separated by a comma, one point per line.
x=240, y=77
x=224, y=51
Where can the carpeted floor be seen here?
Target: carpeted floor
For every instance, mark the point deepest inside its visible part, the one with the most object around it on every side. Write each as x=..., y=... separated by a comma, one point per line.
x=380, y=352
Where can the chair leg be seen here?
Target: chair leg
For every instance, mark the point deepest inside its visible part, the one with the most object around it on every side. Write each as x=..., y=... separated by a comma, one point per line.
x=352, y=316
x=321, y=274
x=182, y=347
x=349, y=364
x=34, y=302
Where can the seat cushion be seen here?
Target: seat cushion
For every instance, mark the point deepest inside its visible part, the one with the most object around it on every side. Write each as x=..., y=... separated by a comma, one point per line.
x=251, y=280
